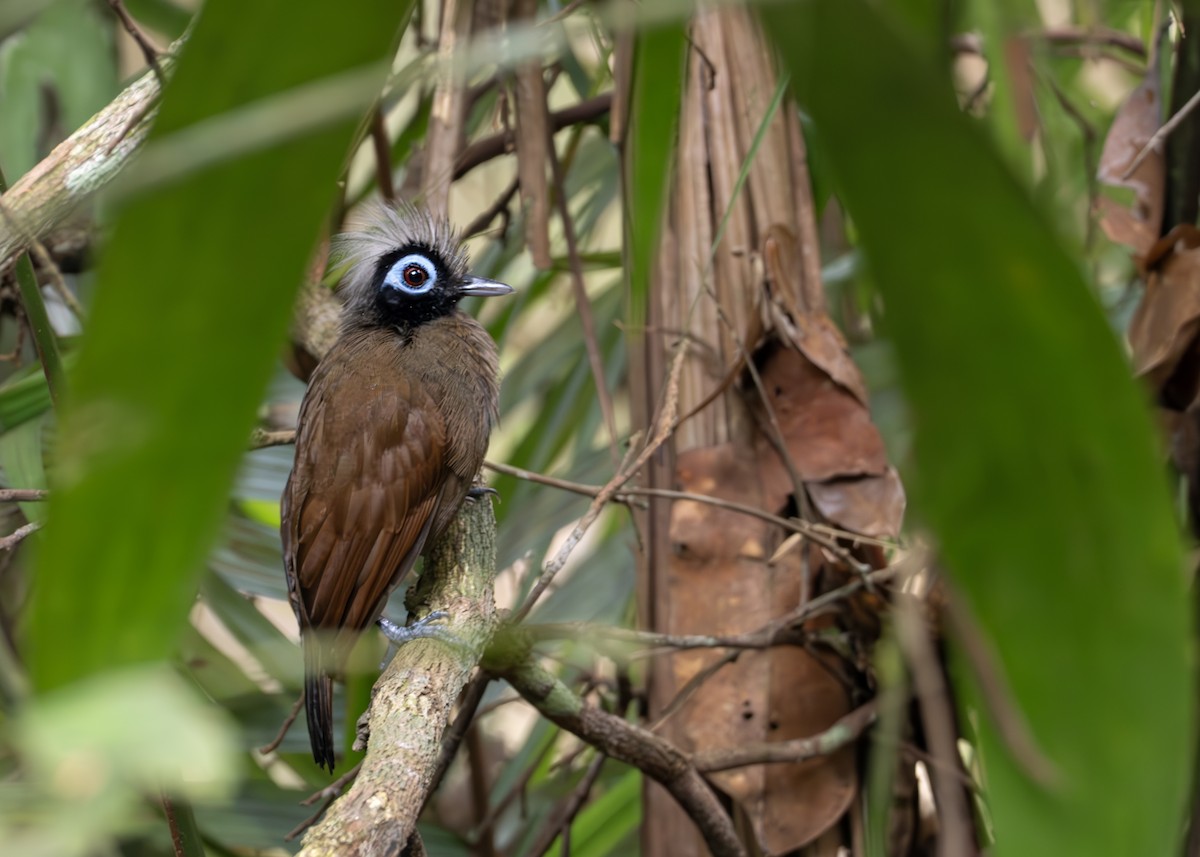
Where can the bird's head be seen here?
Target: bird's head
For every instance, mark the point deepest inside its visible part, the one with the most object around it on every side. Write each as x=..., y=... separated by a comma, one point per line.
x=406, y=268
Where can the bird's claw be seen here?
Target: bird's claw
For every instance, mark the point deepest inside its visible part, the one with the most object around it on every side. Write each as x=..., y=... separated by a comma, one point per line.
x=477, y=491
x=426, y=628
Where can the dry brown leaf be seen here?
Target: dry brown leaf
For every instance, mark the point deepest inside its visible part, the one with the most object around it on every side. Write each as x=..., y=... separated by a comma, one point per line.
x=816, y=394
x=808, y=328
x=721, y=584
x=870, y=505
x=828, y=431
x=835, y=448
x=1135, y=123
x=1165, y=325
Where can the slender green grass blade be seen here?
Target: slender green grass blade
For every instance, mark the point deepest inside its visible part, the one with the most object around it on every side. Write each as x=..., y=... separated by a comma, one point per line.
x=657, y=80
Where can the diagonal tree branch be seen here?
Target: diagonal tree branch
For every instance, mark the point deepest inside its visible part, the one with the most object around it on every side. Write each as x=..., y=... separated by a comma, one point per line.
x=79, y=166
x=411, y=703
x=616, y=737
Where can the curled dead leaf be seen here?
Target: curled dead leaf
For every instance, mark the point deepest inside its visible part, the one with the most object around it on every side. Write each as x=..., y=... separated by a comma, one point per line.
x=1164, y=330
x=870, y=505
x=1131, y=132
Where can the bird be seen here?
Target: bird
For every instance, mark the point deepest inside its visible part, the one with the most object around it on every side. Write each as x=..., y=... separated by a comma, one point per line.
x=391, y=434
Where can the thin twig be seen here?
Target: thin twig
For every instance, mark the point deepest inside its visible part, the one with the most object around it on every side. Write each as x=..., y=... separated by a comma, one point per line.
x=261, y=438
x=516, y=789
x=173, y=826
x=1161, y=134
x=583, y=305
x=567, y=810
x=482, y=151
x=333, y=789
x=383, y=156
x=1094, y=36
x=820, y=534
x=562, y=13
x=937, y=715
x=692, y=685
x=489, y=214
x=11, y=541
x=776, y=632
x=135, y=32
x=186, y=840
x=665, y=421
x=22, y=495
x=273, y=744
x=485, y=841
x=55, y=276
x=845, y=731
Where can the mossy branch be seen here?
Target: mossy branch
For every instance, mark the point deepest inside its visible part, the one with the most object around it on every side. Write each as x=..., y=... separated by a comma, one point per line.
x=412, y=701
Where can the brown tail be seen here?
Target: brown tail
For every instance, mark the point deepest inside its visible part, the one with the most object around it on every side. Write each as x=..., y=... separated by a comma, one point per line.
x=318, y=704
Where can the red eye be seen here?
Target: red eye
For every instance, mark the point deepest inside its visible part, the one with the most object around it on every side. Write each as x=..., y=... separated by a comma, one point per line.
x=415, y=276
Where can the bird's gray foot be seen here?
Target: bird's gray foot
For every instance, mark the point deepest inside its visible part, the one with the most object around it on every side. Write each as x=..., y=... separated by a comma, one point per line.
x=478, y=491
x=428, y=628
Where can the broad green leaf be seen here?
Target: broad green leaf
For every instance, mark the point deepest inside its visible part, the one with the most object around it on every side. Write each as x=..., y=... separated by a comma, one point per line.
x=191, y=305
x=180, y=745
x=1036, y=461
x=86, y=775
x=15, y=14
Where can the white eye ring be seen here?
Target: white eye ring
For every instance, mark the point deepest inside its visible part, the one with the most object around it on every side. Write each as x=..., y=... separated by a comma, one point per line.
x=413, y=274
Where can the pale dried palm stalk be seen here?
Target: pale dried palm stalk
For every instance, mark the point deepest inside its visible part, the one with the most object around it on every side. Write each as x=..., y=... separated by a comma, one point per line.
x=709, y=293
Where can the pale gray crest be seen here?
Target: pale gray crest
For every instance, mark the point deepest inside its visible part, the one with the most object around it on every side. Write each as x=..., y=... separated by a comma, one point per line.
x=379, y=229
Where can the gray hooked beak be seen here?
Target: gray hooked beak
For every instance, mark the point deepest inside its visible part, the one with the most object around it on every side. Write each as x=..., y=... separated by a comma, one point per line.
x=481, y=287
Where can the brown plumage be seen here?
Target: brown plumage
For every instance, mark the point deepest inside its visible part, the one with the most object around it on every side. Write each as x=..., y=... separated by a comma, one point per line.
x=392, y=432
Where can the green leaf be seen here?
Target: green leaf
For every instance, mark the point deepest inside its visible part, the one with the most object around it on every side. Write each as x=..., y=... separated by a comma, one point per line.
x=67, y=52
x=1037, y=466
x=160, y=15
x=24, y=395
x=21, y=457
x=181, y=745
x=608, y=821
x=275, y=652
x=15, y=14
x=657, y=80
x=192, y=302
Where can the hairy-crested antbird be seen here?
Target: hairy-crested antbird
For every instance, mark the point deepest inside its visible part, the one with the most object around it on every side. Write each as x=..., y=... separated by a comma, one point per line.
x=391, y=435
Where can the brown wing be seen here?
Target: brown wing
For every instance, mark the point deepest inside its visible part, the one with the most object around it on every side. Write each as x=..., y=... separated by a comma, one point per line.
x=366, y=485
